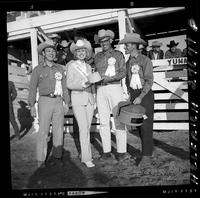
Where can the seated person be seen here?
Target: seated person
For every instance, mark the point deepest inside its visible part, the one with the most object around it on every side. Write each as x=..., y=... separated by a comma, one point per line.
x=173, y=51
x=142, y=49
x=156, y=53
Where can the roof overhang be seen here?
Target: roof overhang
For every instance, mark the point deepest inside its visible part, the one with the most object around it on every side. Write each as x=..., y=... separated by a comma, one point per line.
x=69, y=19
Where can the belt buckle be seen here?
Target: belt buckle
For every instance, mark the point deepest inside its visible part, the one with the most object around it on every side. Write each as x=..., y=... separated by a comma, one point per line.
x=51, y=95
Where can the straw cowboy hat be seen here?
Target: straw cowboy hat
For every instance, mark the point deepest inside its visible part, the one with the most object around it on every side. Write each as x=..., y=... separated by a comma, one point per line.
x=156, y=44
x=104, y=35
x=81, y=44
x=132, y=38
x=54, y=35
x=172, y=44
x=44, y=45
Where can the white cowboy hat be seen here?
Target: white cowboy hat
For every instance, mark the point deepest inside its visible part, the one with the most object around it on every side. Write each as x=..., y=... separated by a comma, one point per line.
x=81, y=44
x=44, y=45
x=105, y=35
x=132, y=38
x=156, y=44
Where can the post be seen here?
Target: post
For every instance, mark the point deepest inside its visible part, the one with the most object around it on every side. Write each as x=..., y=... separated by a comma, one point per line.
x=122, y=32
x=34, y=55
x=34, y=44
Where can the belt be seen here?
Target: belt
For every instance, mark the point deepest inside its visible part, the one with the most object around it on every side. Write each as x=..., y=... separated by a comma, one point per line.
x=108, y=83
x=51, y=95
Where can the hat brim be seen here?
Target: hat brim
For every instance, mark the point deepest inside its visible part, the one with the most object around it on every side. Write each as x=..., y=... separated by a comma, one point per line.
x=74, y=47
x=105, y=38
x=43, y=46
x=172, y=45
x=155, y=46
x=132, y=40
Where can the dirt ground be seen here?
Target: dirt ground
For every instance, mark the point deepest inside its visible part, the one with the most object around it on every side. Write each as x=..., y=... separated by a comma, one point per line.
x=170, y=163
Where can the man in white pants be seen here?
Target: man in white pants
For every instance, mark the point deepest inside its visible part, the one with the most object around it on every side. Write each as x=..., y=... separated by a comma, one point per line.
x=111, y=66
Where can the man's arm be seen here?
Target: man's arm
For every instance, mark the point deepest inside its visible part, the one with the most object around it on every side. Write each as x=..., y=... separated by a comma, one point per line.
x=33, y=87
x=148, y=77
x=13, y=91
x=120, y=70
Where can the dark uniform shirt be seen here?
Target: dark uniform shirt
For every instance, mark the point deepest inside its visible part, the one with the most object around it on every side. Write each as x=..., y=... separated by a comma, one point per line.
x=101, y=64
x=145, y=72
x=176, y=54
x=160, y=54
x=43, y=77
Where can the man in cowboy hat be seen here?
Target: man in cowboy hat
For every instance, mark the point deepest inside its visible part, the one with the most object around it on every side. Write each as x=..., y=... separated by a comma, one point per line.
x=156, y=53
x=64, y=54
x=142, y=49
x=139, y=81
x=12, y=97
x=111, y=66
x=173, y=51
x=49, y=78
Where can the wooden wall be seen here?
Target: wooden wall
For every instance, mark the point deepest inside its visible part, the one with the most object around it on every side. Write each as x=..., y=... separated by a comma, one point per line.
x=171, y=95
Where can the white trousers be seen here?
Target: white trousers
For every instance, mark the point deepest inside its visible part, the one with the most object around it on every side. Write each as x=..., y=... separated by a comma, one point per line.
x=84, y=115
x=108, y=98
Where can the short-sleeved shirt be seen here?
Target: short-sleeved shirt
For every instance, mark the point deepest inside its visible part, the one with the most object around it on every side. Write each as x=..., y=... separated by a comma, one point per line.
x=101, y=64
x=43, y=78
x=145, y=72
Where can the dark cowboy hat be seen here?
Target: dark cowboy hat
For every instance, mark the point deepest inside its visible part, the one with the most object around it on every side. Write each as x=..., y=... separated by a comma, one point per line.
x=172, y=44
x=130, y=114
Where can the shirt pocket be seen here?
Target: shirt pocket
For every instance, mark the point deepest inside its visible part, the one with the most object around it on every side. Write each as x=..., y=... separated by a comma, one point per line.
x=43, y=76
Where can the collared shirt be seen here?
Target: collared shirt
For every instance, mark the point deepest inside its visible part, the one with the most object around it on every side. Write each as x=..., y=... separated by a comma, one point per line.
x=153, y=56
x=176, y=54
x=101, y=64
x=43, y=78
x=145, y=72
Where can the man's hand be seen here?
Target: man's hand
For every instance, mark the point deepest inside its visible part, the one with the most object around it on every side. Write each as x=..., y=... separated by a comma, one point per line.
x=86, y=84
x=66, y=108
x=137, y=100
x=106, y=79
x=33, y=111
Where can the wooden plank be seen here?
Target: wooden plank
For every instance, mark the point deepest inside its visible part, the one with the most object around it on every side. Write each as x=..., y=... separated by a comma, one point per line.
x=171, y=116
x=164, y=74
x=170, y=106
x=171, y=126
x=21, y=85
x=22, y=94
x=18, y=79
x=176, y=74
x=177, y=85
x=168, y=96
x=164, y=83
x=170, y=61
x=166, y=68
x=16, y=70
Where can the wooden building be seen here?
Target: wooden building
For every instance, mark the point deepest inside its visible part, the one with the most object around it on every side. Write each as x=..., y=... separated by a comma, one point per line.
x=170, y=86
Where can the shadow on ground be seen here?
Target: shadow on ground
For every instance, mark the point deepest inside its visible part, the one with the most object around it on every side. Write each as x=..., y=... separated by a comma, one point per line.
x=68, y=176
x=173, y=150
